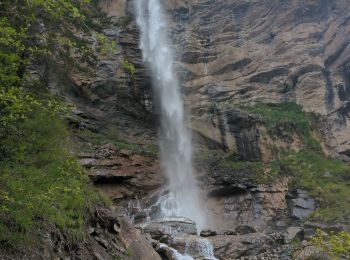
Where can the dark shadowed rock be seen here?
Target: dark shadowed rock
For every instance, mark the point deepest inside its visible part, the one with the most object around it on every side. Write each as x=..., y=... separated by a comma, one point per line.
x=208, y=233
x=245, y=229
x=293, y=232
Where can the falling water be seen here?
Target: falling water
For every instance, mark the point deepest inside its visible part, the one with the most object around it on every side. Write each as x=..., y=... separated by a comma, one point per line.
x=175, y=141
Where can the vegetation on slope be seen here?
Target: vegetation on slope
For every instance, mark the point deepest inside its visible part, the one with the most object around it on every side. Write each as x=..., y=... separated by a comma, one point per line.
x=40, y=181
x=336, y=245
x=281, y=119
x=327, y=180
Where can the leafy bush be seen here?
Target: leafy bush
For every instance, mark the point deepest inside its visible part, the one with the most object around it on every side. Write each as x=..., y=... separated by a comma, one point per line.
x=336, y=245
x=41, y=182
x=129, y=67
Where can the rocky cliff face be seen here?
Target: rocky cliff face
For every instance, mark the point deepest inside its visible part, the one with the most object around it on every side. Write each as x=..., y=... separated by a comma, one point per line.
x=252, y=51
x=265, y=51
x=232, y=54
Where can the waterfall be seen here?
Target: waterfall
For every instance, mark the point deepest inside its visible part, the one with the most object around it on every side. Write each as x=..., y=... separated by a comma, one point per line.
x=175, y=138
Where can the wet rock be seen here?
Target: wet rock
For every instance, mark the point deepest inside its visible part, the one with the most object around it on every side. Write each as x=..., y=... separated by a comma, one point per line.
x=165, y=239
x=195, y=246
x=170, y=227
x=208, y=233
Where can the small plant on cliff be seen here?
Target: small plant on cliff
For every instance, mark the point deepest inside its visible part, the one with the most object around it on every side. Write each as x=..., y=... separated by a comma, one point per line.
x=129, y=67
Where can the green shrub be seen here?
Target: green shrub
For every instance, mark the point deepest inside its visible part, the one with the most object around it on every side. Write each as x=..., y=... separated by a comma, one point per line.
x=326, y=180
x=258, y=171
x=309, y=170
x=41, y=182
x=281, y=119
x=337, y=245
x=129, y=67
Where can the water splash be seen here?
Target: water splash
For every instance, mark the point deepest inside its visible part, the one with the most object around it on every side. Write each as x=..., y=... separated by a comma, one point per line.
x=203, y=246
x=176, y=254
x=175, y=141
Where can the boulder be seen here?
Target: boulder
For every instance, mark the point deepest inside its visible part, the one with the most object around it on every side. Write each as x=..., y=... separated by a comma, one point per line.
x=235, y=247
x=169, y=227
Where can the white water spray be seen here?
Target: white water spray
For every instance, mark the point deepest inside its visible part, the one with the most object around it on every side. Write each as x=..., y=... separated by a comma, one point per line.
x=175, y=142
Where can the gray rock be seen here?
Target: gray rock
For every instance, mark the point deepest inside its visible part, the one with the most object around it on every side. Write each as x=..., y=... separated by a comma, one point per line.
x=170, y=227
x=301, y=213
x=302, y=193
x=327, y=174
x=302, y=207
x=245, y=229
x=304, y=203
x=293, y=232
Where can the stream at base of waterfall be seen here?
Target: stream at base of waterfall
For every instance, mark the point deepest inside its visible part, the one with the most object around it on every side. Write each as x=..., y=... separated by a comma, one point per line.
x=177, y=212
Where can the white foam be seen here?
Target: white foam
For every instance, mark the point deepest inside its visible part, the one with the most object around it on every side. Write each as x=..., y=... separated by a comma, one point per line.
x=175, y=141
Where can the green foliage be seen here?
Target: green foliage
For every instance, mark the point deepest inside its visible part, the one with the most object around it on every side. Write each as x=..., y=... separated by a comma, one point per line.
x=114, y=47
x=294, y=245
x=257, y=171
x=308, y=170
x=282, y=119
x=337, y=245
x=129, y=67
x=40, y=182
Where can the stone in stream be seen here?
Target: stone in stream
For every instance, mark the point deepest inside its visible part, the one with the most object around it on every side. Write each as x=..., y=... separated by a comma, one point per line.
x=195, y=246
x=169, y=227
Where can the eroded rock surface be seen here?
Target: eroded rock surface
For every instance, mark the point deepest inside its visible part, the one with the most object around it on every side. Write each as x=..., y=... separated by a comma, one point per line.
x=269, y=51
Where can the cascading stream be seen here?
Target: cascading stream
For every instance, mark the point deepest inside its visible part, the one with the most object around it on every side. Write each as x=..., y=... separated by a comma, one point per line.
x=175, y=141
